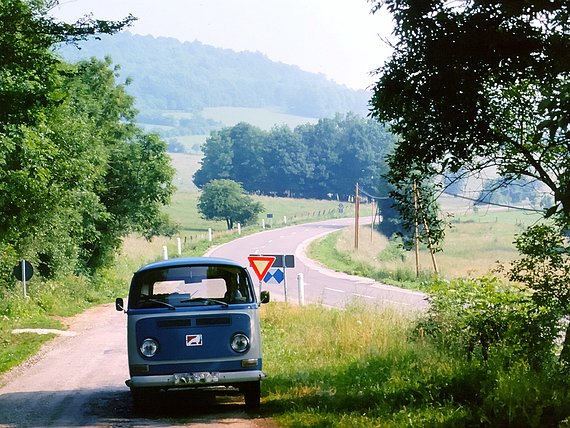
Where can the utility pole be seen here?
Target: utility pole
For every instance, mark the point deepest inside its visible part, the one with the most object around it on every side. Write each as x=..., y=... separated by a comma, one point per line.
x=430, y=245
x=417, y=228
x=373, y=218
x=356, y=217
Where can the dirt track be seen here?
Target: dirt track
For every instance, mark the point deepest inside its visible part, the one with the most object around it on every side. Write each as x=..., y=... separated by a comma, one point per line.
x=78, y=379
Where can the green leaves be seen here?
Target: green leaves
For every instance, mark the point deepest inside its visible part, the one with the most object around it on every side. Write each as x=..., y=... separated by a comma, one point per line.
x=475, y=84
x=326, y=158
x=225, y=200
x=76, y=175
x=484, y=317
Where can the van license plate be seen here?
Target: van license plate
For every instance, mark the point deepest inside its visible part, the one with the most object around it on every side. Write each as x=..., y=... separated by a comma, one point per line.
x=194, y=378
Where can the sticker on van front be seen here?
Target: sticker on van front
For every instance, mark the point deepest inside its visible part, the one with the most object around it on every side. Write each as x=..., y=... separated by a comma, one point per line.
x=193, y=340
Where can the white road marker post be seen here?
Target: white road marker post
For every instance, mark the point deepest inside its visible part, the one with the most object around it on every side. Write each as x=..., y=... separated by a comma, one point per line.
x=164, y=252
x=301, y=287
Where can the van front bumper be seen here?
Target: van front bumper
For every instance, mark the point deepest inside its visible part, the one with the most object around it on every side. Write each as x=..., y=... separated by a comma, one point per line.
x=195, y=379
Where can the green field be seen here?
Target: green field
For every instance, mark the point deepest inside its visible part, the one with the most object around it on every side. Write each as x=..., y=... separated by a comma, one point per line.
x=474, y=245
x=262, y=118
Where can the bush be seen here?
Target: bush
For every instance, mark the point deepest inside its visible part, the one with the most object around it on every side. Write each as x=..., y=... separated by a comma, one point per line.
x=480, y=317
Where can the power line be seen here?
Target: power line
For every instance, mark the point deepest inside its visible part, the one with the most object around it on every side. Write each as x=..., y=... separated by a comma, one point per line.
x=495, y=204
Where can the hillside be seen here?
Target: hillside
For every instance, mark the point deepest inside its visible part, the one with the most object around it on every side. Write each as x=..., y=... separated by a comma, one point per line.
x=174, y=76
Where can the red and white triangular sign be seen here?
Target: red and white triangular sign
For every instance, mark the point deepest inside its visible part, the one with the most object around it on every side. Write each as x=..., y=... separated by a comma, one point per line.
x=261, y=264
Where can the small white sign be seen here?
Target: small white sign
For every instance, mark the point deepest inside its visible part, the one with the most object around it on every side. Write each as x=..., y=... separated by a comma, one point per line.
x=193, y=340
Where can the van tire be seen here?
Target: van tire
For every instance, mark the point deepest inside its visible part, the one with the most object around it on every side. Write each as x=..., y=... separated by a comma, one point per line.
x=252, y=395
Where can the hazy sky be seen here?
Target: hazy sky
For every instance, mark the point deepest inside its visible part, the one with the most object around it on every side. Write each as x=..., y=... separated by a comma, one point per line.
x=338, y=38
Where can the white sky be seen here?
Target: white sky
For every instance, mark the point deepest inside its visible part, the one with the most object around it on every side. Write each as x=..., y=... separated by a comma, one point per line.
x=338, y=38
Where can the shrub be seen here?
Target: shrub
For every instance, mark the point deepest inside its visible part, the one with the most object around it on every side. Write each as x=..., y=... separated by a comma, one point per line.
x=484, y=316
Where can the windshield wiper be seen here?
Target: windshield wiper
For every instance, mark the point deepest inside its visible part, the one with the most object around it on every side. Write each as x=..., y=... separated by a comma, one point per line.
x=160, y=302
x=205, y=299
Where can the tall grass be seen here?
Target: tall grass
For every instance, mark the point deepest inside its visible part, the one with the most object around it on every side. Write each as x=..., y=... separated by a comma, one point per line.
x=366, y=367
x=473, y=246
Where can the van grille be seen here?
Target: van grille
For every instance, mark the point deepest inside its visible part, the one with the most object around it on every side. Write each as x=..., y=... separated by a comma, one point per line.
x=213, y=321
x=174, y=323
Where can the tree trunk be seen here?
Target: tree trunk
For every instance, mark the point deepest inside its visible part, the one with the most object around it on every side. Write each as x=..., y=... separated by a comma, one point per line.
x=565, y=353
x=229, y=223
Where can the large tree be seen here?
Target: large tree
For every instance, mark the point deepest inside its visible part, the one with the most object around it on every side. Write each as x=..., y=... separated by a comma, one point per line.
x=76, y=174
x=473, y=84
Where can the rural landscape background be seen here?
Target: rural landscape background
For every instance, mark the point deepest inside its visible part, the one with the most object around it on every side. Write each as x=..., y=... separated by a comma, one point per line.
x=106, y=142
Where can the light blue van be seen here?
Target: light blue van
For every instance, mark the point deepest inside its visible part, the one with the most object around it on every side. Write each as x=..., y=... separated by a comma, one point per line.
x=194, y=323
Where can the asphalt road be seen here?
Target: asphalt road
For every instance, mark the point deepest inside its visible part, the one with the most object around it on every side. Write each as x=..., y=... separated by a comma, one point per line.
x=77, y=379
x=321, y=285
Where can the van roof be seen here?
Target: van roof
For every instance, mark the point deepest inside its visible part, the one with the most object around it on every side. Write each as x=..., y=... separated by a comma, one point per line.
x=189, y=261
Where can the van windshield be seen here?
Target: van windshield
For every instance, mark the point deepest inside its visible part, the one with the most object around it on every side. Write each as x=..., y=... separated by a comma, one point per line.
x=181, y=286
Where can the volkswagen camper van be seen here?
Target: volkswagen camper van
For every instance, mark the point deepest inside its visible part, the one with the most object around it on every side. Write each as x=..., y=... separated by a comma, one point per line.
x=194, y=323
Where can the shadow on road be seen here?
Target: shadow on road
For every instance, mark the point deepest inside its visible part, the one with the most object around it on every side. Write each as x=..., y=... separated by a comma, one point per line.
x=115, y=407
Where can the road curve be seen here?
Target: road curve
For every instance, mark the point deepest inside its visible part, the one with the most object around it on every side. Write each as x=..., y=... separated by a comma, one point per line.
x=322, y=285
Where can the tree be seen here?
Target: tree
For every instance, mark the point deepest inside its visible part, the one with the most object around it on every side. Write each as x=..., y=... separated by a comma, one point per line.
x=285, y=160
x=225, y=200
x=545, y=267
x=217, y=162
x=136, y=176
x=76, y=174
x=475, y=84
x=478, y=84
x=30, y=69
x=247, y=160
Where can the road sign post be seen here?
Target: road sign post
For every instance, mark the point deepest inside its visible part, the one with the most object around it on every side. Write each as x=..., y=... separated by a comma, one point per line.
x=23, y=271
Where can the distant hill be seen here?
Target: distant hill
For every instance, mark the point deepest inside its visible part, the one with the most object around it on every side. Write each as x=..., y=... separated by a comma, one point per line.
x=168, y=75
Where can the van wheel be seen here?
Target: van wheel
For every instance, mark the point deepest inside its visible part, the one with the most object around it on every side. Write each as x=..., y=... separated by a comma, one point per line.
x=252, y=395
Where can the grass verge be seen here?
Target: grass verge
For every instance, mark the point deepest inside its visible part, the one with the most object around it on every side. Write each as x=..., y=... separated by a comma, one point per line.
x=366, y=367
x=473, y=246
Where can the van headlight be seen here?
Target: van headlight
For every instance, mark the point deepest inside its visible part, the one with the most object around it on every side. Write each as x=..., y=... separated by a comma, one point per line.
x=149, y=347
x=240, y=342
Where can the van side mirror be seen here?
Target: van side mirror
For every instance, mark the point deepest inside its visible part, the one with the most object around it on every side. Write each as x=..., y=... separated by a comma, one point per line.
x=119, y=304
x=264, y=297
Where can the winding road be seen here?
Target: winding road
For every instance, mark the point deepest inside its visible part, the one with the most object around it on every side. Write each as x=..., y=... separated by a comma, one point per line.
x=322, y=285
x=77, y=379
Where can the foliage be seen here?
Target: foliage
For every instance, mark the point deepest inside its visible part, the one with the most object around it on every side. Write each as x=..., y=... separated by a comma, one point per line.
x=478, y=84
x=485, y=317
x=76, y=174
x=30, y=70
x=545, y=268
x=225, y=200
x=327, y=158
x=191, y=76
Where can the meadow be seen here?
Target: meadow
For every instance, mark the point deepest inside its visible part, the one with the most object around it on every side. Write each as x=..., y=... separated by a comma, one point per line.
x=476, y=244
